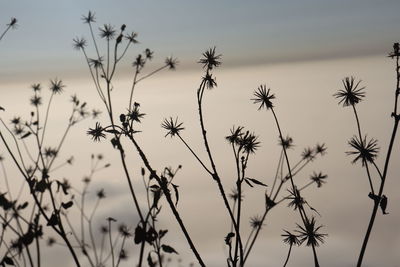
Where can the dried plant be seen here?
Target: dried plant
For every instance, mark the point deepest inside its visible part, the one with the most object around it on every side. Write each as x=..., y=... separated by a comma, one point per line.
x=64, y=208
x=366, y=150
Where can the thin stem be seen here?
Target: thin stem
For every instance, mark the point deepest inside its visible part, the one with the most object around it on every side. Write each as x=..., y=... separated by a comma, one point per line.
x=46, y=119
x=215, y=175
x=133, y=87
x=5, y=31
x=111, y=243
x=151, y=73
x=169, y=200
x=386, y=166
x=120, y=251
x=194, y=154
x=276, y=174
x=304, y=215
x=376, y=203
x=288, y=255
x=362, y=142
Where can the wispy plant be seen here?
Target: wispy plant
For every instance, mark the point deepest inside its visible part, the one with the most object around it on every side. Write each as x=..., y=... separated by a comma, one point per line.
x=366, y=150
x=26, y=143
x=102, y=69
x=244, y=145
x=11, y=25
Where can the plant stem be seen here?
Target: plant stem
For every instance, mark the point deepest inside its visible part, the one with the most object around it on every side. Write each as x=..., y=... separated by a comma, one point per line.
x=362, y=142
x=288, y=255
x=376, y=203
x=386, y=166
x=169, y=200
x=215, y=175
x=296, y=192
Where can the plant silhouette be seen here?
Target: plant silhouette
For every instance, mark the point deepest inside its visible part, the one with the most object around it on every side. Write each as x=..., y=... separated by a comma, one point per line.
x=67, y=215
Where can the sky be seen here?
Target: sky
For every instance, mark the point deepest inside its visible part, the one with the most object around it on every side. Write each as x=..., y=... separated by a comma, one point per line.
x=300, y=49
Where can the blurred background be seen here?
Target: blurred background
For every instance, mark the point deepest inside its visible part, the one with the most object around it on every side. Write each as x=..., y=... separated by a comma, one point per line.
x=301, y=50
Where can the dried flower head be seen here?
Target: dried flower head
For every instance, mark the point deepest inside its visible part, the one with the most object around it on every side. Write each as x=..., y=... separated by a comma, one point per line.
x=286, y=143
x=123, y=230
x=290, y=239
x=107, y=32
x=263, y=97
x=173, y=127
x=96, y=133
x=149, y=54
x=210, y=60
x=236, y=133
x=396, y=51
x=310, y=233
x=132, y=37
x=308, y=154
x=366, y=151
x=234, y=195
x=123, y=255
x=103, y=229
x=95, y=113
x=249, y=142
x=171, y=62
x=89, y=18
x=135, y=114
x=56, y=86
x=36, y=100
x=51, y=241
x=139, y=62
x=79, y=43
x=319, y=178
x=50, y=152
x=36, y=87
x=351, y=94
x=320, y=149
x=101, y=194
x=209, y=81
x=256, y=222
x=96, y=62
x=13, y=23
x=16, y=120
x=296, y=201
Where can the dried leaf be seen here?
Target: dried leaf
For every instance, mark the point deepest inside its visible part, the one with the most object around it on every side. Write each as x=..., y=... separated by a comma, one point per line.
x=150, y=261
x=383, y=204
x=112, y=131
x=23, y=205
x=162, y=233
x=256, y=181
x=140, y=235
x=67, y=205
x=8, y=261
x=26, y=135
x=168, y=249
x=228, y=238
x=176, y=193
x=247, y=182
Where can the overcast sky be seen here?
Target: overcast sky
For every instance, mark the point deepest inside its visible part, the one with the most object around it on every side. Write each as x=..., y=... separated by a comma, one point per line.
x=247, y=32
x=301, y=49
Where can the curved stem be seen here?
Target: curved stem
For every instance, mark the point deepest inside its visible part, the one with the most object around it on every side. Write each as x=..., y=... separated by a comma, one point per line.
x=386, y=166
x=288, y=255
x=376, y=203
x=215, y=175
